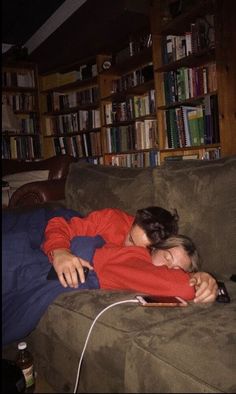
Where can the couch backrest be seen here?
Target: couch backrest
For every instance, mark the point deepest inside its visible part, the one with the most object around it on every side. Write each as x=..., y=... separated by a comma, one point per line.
x=90, y=187
x=203, y=192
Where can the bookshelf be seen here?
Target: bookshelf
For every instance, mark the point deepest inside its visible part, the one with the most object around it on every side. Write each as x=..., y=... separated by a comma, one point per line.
x=21, y=135
x=194, y=74
x=167, y=92
x=70, y=107
x=129, y=123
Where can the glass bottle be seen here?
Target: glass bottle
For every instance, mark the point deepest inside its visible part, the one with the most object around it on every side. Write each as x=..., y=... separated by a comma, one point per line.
x=24, y=360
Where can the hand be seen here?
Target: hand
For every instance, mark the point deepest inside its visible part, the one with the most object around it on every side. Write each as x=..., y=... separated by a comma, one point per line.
x=206, y=287
x=67, y=265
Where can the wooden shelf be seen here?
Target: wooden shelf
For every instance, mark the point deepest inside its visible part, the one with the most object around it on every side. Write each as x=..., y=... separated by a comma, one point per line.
x=114, y=95
x=25, y=144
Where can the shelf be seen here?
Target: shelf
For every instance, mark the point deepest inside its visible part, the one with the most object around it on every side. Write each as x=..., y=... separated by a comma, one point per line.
x=133, y=62
x=194, y=60
x=20, y=92
x=192, y=100
x=181, y=23
x=208, y=80
x=73, y=86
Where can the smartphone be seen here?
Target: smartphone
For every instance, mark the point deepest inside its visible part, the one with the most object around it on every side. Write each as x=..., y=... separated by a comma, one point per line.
x=52, y=275
x=223, y=295
x=152, y=300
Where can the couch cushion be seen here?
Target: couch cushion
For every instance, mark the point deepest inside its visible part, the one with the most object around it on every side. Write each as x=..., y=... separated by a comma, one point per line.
x=61, y=334
x=204, y=195
x=194, y=354
x=125, y=331
x=90, y=187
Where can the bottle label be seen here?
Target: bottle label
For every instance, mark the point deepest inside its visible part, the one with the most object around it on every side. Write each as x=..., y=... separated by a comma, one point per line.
x=29, y=376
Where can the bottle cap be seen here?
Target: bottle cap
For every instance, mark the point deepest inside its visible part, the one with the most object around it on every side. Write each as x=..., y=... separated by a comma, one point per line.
x=22, y=345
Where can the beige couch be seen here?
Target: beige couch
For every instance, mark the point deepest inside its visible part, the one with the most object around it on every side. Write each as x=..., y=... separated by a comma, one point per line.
x=149, y=350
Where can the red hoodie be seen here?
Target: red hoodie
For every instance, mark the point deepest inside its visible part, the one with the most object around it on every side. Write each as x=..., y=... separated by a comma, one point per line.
x=118, y=266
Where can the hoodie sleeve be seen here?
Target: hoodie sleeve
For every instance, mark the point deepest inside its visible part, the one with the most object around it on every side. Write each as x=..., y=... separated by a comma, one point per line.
x=130, y=268
x=112, y=224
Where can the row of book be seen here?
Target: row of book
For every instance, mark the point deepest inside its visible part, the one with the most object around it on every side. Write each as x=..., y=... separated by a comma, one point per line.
x=193, y=125
x=138, y=136
x=204, y=154
x=80, y=73
x=24, y=79
x=133, y=160
x=21, y=148
x=185, y=83
x=118, y=111
x=58, y=101
x=200, y=36
x=73, y=122
x=29, y=124
x=132, y=79
x=22, y=102
x=137, y=43
x=133, y=107
x=144, y=105
x=80, y=145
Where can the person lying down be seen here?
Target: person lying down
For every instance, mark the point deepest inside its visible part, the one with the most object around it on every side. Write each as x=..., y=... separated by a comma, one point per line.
x=27, y=293
x=162, y=271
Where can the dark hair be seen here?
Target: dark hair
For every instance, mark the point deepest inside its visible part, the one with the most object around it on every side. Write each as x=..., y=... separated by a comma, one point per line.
x=186, y=243
x=157, y=222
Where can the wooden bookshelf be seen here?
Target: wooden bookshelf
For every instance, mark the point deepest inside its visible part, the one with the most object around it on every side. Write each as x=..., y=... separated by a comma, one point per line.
x=129, y=125
x=20, y=91
x=70, y=106
x=168, y=79
x=206, y=75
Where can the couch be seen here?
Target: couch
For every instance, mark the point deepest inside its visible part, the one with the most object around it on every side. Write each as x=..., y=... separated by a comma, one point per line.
x=133, y=349
x=35, y=182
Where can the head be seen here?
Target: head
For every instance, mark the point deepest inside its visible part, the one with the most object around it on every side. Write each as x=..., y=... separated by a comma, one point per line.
x=152, y=225
x=177, y=251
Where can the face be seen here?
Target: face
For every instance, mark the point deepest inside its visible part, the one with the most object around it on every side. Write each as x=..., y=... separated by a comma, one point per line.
x=137, y=237
x=173, y=258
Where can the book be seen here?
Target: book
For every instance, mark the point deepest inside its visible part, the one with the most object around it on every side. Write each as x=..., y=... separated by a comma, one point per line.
x=180, y=127
x=185, y=111
x=193, y=127
x=174, y=129
x=181, y=157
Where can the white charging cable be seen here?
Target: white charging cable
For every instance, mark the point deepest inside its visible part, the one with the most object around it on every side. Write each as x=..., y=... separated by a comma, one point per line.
x=90, y=330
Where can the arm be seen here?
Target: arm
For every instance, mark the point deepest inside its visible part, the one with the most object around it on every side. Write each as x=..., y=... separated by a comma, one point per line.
x=111, y=224
x=206, y=287
x=67, y=265
x=57, y=239
x=130, y=268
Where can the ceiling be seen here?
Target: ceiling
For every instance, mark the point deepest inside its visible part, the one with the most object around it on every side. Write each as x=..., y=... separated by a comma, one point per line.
x=21, y=18
x=96, y=26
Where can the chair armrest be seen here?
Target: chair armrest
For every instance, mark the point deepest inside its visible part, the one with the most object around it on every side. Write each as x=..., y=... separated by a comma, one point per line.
x=39, y=192
x=58, y=166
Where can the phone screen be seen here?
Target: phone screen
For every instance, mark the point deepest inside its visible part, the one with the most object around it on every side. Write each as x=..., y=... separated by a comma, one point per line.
x=151, y=300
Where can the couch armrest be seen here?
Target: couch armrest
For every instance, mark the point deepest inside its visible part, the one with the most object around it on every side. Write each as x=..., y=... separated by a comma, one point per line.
x=38, y=193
